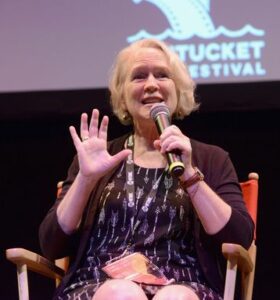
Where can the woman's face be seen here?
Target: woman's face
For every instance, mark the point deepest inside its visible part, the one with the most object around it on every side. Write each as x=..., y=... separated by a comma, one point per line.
x=148, y=81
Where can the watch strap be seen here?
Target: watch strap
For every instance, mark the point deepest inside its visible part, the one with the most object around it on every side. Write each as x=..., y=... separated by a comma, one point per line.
x=196, y=177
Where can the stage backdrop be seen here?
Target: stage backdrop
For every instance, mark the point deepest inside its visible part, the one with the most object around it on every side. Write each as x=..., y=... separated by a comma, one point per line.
x=69, y=44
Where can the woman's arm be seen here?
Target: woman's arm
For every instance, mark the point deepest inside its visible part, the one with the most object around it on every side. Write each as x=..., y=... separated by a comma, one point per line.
x=219, y=206
x=94, y=162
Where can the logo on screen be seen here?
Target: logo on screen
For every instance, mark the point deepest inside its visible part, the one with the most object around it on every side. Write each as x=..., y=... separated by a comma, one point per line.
x=192, y=18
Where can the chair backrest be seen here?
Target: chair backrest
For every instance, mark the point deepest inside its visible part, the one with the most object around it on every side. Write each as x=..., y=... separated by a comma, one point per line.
x=250, y=194
x=59, y=188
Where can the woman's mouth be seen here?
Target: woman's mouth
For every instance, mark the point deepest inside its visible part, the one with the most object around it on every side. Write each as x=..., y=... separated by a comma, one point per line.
x=152, y=100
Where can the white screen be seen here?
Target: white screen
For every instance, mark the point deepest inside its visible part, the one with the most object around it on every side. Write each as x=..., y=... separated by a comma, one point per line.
x=70, y=44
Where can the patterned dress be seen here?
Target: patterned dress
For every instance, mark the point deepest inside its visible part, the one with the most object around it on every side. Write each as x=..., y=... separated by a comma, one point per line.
x=164, y=233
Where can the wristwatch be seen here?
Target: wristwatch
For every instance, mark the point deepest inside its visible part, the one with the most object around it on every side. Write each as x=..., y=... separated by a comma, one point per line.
x=197, y=176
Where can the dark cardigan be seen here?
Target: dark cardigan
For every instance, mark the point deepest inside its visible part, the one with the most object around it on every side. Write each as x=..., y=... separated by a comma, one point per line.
x=219, y=175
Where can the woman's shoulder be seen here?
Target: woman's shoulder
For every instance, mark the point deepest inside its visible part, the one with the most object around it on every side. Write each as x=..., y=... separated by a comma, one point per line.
x=208, y=156
x=214, y=162
x=201, y=147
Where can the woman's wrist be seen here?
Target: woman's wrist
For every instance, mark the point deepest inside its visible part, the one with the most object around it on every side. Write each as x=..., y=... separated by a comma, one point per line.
x=191, y=177
x=85, y=180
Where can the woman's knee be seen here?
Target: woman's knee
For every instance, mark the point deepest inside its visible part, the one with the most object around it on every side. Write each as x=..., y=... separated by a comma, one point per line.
x=119, y=289
x=176, y=292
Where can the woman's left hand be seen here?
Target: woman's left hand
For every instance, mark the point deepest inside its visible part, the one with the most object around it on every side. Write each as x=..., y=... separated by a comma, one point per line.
x=172, y=139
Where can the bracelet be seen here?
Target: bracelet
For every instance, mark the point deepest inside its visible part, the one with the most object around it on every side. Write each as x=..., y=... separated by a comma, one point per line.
x=196, y=177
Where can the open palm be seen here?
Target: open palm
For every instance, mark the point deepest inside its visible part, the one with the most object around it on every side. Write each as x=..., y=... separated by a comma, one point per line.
x=94, y=159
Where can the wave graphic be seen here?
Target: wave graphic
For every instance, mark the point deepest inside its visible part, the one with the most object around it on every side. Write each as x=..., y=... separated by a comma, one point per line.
x=247, y=29
x=189, y=18
x=220, y=31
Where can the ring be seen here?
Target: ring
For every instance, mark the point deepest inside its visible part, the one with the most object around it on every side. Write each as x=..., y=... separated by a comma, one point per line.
x=85, y=138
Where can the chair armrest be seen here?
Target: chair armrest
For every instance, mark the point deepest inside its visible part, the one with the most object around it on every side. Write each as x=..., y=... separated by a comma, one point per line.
x=34, y=262
x=238, y=254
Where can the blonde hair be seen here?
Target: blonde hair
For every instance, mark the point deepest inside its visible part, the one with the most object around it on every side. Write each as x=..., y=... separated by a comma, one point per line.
x=184, y=84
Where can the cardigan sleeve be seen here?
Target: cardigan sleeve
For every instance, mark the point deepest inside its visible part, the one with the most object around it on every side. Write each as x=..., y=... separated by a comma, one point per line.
x=221, y=176
x=54, y=242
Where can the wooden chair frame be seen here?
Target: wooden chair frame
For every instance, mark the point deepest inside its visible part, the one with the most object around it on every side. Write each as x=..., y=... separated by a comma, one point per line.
x=237, y=257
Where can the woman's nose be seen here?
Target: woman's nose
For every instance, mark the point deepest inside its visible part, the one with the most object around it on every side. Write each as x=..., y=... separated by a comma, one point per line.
x=151, y=84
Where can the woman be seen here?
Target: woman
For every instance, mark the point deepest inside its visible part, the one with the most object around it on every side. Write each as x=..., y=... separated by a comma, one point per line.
x=119, y=197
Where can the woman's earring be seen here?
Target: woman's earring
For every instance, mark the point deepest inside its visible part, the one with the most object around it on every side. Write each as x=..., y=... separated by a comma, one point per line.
x=125, y=116
x=180, y=114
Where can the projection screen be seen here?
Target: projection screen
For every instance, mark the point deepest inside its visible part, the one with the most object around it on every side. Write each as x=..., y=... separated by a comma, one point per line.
x=68, y=44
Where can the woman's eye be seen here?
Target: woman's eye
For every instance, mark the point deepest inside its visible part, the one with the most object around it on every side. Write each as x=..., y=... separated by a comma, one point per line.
x=139, y=76
x=162, y=75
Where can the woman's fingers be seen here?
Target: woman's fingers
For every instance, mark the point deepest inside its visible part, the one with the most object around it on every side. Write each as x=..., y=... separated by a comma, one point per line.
x=93, y=126
x=75, y=137
x=103, y=128
x=93, y=129
x=172, y=138
x=120, y=156
x=157, y=145
x=84, y=126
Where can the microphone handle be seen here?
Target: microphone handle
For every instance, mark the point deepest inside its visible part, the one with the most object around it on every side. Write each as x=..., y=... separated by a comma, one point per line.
x=176, y=166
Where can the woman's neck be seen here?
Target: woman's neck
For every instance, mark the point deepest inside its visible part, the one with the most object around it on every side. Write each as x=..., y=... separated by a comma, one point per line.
x=145, y=154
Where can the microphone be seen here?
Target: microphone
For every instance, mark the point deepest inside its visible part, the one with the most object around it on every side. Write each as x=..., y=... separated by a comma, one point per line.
x=161, y=115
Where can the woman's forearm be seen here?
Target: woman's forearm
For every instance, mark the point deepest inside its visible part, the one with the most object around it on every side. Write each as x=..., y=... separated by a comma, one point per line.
x=213, y=212
x=70, y=210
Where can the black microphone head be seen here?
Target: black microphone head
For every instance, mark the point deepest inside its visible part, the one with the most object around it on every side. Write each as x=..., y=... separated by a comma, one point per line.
x=159, y=108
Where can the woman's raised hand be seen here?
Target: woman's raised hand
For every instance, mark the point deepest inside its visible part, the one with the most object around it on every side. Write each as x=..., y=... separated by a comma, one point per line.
x=91, y=146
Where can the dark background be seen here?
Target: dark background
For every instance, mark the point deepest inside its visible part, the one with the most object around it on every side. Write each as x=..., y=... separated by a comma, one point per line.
x=36, y=150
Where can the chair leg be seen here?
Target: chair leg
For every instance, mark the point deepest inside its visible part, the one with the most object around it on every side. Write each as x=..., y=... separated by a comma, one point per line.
x=248, y=279
x=230, y=279
x=22, y=282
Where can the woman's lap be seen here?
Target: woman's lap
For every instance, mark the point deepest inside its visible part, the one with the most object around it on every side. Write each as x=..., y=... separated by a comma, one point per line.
x=87, y=291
